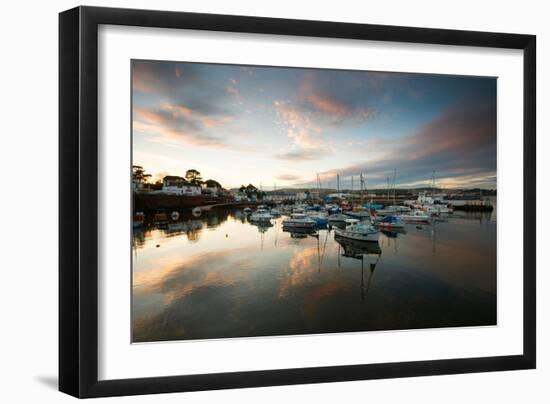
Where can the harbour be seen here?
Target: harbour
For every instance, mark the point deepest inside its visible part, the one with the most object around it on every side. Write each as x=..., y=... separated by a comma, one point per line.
x=260, y=277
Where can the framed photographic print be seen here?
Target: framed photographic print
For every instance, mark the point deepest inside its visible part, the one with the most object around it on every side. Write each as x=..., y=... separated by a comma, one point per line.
x=251, y=201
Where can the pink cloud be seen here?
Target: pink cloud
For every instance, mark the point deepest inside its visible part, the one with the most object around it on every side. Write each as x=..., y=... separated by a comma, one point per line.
x=144, y=80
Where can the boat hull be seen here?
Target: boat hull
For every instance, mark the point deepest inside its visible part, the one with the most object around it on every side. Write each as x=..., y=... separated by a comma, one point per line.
x=390, y=226
x=357, y=236
x=261, y=219
x=298, y=225
x=416, y=219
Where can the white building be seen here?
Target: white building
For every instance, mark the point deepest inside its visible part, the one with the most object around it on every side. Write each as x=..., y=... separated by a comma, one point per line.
x=175, y=185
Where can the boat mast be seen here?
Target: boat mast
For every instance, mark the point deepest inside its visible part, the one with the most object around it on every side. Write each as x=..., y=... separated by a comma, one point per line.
x=318, y=186
x=394, y=177
x=361, y=187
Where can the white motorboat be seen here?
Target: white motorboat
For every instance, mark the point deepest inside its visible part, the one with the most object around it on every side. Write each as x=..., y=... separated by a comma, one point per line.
x=260, y=215
x=247, y=211
x=416, y=216
x=360, y=232
x=433, y=205
x=300, y=221
x=399, y=208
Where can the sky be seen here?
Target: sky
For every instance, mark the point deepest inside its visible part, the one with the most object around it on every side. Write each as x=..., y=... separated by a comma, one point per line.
x=280, y=127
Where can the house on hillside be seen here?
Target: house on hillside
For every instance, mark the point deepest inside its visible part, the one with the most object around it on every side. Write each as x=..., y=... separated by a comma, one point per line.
x=174, y=185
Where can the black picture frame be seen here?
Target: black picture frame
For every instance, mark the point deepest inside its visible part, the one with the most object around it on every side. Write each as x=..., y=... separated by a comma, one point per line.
x=78, y=201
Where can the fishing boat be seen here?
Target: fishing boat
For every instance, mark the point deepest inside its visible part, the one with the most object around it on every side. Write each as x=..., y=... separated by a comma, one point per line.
x=299, y=221
x=359, y=232
x=416, y=216
x=260, y=215
x=390, y=222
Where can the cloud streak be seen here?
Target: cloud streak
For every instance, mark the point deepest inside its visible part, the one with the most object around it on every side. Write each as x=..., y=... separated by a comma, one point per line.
x=311, y=121
x=459, y=145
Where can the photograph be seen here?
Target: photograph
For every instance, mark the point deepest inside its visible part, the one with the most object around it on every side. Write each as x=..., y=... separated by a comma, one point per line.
x=272, y=201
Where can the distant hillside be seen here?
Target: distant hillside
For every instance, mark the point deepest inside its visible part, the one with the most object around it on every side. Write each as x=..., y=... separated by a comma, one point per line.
x=382, y=191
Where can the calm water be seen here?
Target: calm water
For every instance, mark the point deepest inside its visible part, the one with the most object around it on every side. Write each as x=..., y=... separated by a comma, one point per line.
x=219, y=276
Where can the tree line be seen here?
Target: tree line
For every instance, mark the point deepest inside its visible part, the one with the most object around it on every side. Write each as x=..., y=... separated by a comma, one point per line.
x=192, y=176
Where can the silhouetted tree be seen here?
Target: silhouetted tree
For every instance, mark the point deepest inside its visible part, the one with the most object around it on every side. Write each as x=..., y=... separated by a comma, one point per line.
x=139, y=175
x=212, y=184
x=193, y=176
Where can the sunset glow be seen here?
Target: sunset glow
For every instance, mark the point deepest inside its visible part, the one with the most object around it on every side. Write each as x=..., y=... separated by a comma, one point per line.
x=281, y=127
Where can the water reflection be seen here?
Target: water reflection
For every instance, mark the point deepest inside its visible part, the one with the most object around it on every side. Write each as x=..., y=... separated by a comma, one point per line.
x=362, y=251
x=219, y=276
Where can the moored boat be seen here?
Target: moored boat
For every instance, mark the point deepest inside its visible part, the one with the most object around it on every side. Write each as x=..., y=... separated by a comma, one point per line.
x=390, y=222
x=399, y=208
x=373, y=206
x=260, y=215
x=360, y=215
x=299, y=220
x=357, y=249
x=416, y=216
x=319, y=217
x=338, y=218
x=275, y=212
x=359, y=232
